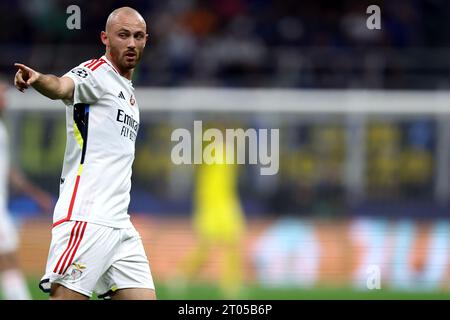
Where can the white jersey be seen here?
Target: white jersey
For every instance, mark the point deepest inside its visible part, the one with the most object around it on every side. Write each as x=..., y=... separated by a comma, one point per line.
x=4, y=167
x=102, y=125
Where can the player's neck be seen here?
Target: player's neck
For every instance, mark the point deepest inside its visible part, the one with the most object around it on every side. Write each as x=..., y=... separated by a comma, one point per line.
x=128, y=73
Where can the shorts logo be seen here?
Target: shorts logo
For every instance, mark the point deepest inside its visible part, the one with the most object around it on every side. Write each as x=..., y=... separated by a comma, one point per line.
x=76, y=272
x=80, y=72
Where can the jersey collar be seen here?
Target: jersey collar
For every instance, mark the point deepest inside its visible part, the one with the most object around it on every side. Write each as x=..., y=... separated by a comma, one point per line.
x=115, y=70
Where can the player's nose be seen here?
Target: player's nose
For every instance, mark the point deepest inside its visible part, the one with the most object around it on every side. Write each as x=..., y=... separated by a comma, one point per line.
x=131, y=43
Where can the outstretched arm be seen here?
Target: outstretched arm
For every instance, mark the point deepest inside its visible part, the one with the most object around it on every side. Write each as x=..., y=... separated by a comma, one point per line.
x=49, y=85
x=22, y=184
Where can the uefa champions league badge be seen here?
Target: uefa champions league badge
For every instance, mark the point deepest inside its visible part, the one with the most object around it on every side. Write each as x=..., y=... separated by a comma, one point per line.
x=80, y=72
x=132, y=101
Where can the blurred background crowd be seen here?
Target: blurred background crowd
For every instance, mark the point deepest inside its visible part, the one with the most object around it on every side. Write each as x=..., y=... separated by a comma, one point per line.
x=248, y=43
x=276, y=44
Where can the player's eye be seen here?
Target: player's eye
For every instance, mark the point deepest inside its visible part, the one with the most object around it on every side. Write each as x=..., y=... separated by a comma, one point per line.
x=122, y=35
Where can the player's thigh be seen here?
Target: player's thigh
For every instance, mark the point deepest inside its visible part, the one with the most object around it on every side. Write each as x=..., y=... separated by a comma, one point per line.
x=59, y=292
x=129, y=275
x=134, y=294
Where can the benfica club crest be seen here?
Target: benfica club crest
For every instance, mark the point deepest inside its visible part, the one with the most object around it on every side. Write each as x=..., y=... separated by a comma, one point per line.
x=132, y=101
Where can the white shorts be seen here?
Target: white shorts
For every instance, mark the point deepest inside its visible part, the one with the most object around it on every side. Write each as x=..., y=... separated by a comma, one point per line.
x=88, y=258
x=9, y=238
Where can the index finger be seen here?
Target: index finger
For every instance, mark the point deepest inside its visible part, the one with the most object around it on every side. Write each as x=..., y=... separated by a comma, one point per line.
x=22, y=66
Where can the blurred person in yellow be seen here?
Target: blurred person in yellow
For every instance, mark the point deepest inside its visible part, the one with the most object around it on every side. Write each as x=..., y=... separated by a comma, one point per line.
x=13, y=284
x=218, y=221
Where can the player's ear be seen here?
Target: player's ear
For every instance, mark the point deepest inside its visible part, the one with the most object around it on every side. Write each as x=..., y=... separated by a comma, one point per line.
x=104, y=38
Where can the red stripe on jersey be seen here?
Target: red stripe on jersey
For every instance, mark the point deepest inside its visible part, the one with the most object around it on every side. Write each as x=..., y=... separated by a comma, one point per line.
x=76, y=248
x=72, y=202
x=71, y=248
x=68, y=246
x=98, y=64
x=90, y=63
x=74, y=195
x=112, y=67
x=57, y=223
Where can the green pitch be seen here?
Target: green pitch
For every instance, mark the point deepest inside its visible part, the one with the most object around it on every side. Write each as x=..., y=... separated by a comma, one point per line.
x=210, y=291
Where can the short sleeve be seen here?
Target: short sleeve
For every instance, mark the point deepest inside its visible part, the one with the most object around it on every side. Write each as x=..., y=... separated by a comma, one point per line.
x=88, y=87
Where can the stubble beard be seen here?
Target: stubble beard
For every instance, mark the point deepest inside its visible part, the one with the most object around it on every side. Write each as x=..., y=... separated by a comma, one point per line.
x=120, y=59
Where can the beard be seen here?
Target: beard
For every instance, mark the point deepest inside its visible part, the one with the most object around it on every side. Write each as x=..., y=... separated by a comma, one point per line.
x=126, y=59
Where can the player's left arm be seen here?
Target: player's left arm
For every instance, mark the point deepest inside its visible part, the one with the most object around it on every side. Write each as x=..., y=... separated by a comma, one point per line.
x=22, y=184
x=49, y=85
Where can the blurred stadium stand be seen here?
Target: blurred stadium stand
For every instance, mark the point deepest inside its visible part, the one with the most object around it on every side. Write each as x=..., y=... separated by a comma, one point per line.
x=248, y=43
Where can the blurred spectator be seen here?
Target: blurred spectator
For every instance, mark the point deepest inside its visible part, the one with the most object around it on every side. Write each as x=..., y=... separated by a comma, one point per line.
x=219, y=224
